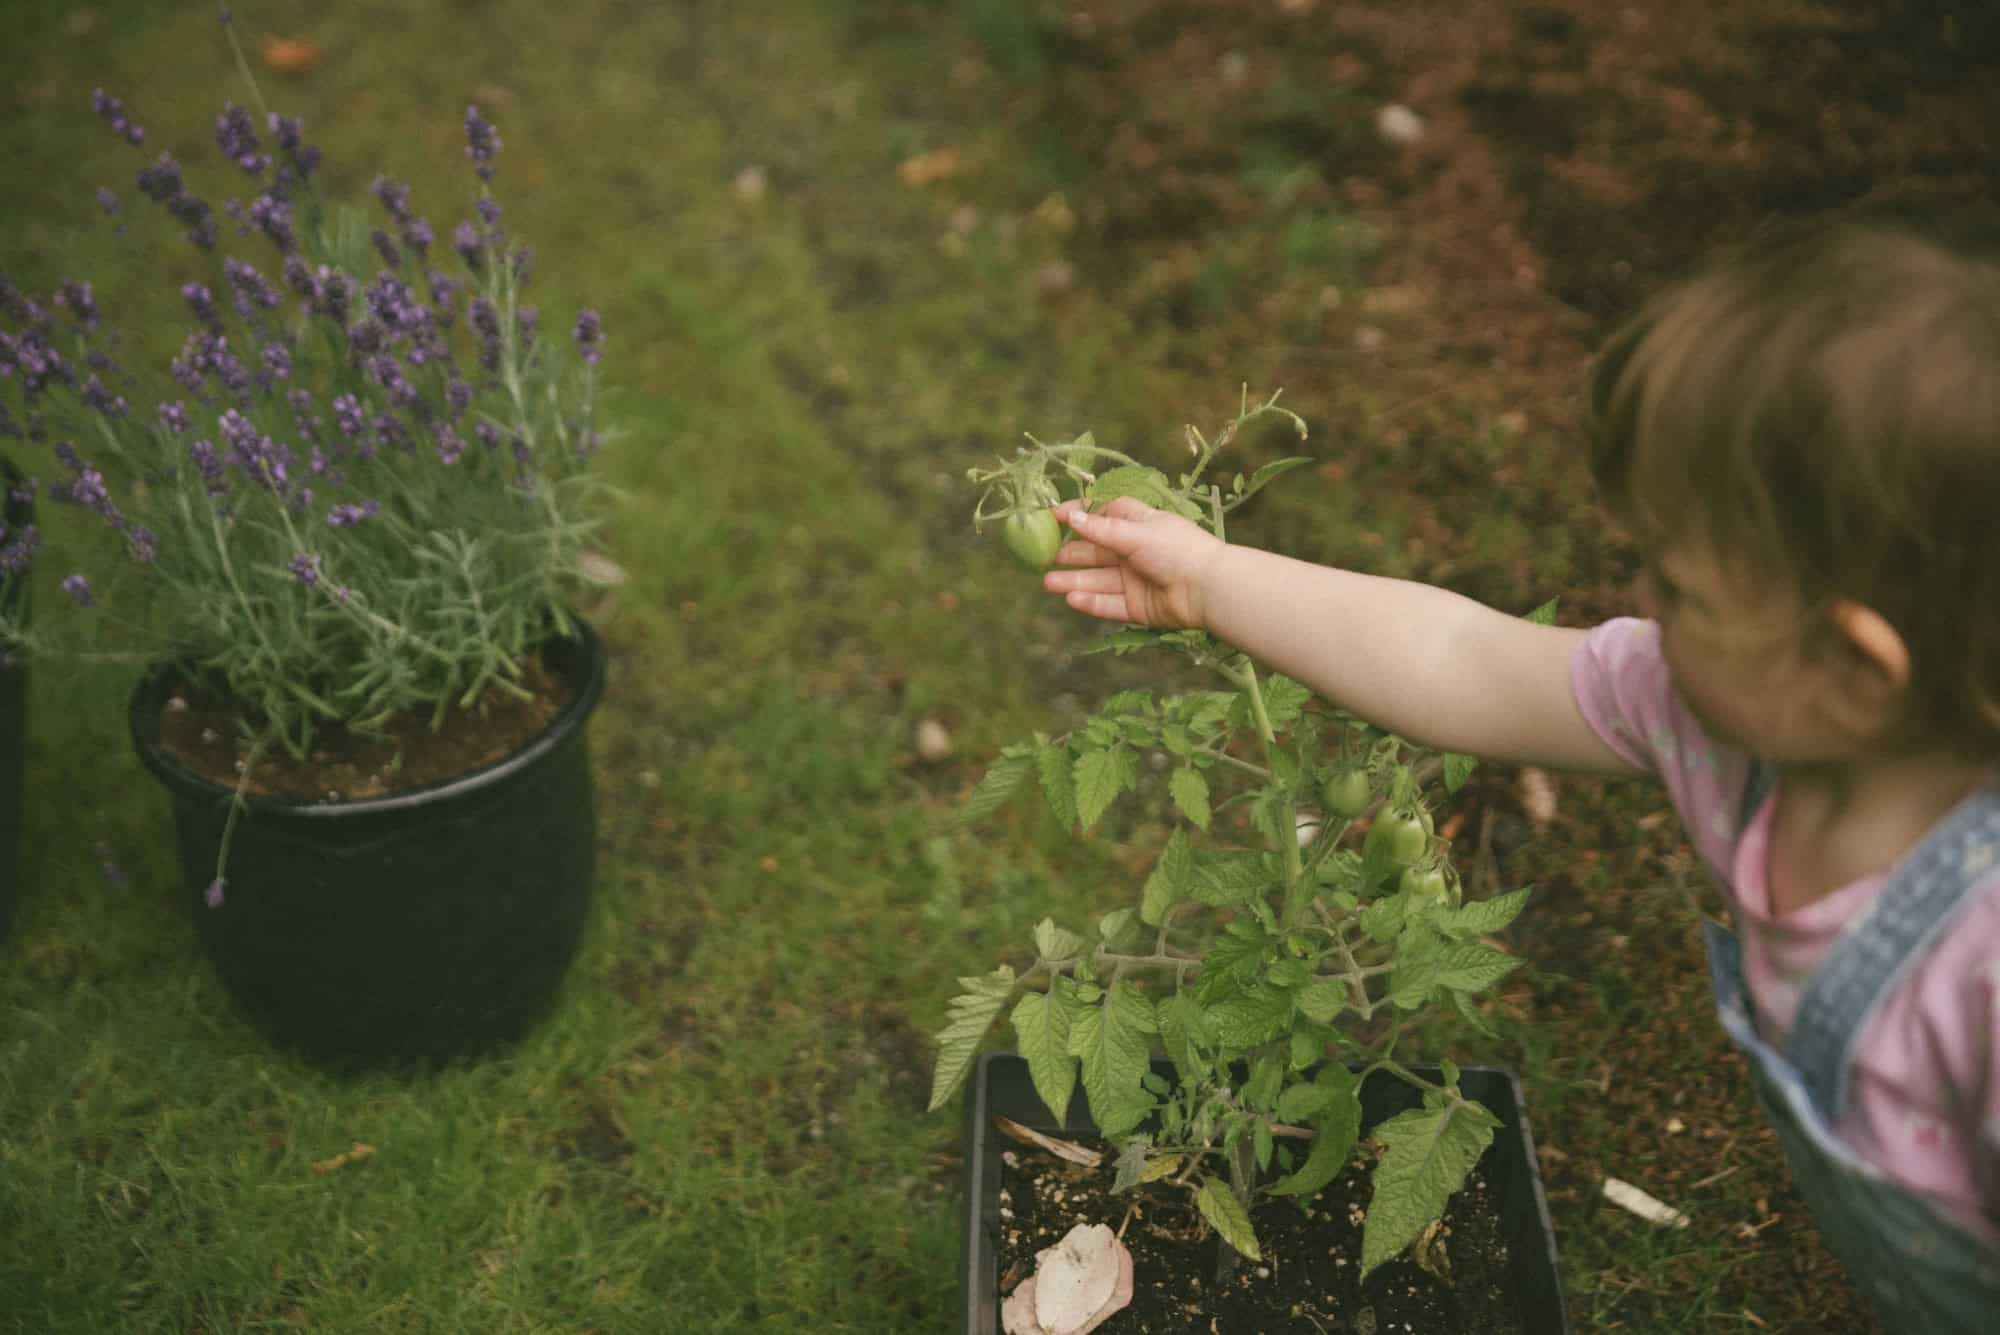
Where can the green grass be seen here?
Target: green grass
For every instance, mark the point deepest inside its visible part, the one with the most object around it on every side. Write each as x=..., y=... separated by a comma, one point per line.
x=721, y=1127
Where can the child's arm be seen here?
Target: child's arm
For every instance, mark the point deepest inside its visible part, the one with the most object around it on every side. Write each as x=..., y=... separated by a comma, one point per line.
x=1422, y=662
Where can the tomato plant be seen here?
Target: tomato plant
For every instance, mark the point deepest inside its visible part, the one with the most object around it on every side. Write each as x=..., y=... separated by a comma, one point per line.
x=1250, y=965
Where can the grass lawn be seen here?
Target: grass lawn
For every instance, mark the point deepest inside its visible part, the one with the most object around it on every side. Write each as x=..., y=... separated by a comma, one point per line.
x=721, y=1127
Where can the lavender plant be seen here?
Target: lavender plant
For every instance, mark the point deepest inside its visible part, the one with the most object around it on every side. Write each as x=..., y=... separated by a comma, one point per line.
x=1266, y=938
x=360, y=486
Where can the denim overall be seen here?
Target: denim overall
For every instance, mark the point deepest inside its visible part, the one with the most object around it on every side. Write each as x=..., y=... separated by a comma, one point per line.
x=1924, y=1273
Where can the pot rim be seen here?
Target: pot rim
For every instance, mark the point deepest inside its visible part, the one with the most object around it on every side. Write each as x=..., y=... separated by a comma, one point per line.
x=143, y=715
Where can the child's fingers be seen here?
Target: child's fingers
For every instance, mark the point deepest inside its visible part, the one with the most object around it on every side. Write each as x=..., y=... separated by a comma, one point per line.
x=1092, y=579
x=1108, y=606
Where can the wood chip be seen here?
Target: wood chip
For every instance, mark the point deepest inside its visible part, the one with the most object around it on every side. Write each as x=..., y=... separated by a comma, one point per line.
x=1649, y=1208
x=1062, y=1149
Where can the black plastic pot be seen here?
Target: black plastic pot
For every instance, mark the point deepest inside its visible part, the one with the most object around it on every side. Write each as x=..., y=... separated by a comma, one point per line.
x=433, y=923
x=15, y=514
x=1000, y=1087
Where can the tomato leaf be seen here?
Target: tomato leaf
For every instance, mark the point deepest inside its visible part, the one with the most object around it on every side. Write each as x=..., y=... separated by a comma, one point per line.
x=1041, y=1027
x=1430, y=1152
x=970, y=1015
x=1056, y=945
x=1483, y=917
x=1336, y=1127
x=1190, y=793
x=1221, y=1209
x=1322, y=999
x=1002, y=779
x=1111, y=1040
x=1100, y=777
x=1167, y=884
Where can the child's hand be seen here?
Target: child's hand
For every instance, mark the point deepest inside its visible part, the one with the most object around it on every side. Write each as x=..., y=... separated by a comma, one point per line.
x=1134, y=563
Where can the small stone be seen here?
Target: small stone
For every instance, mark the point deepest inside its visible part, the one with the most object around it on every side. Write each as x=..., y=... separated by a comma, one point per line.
x=751, y=184
x=1055, y=278
x=1370, y=339
x=933, y=741
x=1399, y=125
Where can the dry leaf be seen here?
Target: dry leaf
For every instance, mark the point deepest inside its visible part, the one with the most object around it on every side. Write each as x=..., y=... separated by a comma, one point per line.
x=361, y=1150
x=288, y=55
x=1078, y=1284
x=937, y=165
x=1062, y=1149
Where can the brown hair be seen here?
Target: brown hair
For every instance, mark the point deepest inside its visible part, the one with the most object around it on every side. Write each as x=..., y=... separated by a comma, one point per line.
x=1822, y=409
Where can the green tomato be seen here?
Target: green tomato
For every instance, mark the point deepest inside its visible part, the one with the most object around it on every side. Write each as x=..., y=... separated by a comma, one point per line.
x=1034, y=536
x=1423, y=882
x=1400, y=835
x=1347, y=794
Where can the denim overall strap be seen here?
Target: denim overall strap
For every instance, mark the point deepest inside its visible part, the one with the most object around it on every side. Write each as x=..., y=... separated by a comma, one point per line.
x=1923, y=895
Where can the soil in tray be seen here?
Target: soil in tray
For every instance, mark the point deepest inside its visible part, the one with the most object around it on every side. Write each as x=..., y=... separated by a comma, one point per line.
x=1306, y=1282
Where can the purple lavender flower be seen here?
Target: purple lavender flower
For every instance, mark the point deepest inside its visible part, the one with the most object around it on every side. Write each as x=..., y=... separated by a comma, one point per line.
x=417, y=235
x=143, y=544
x=450, y=445
x=17, y=553
x=274, y=215
x=173, y=416
x=253, y=291
x=347, y=415
x=78, y=588
x=99, y=398
x=489, y=211
x=236, y=136
x=457, y=396
x=589, y=336
x=113, y=111
x=465, y=239
x=213, y=895
x=394, y=195
x=305, y=566
x=523, y=259
x=349, y=514
x=288, y=133
x=108, y=201
x=489, y=435
x=209, y=464
x=444, y=290
x=482, y=143
x=202, y=302
x=81, y=301
x=385, y=246
x=278, y=361
x=160, y=180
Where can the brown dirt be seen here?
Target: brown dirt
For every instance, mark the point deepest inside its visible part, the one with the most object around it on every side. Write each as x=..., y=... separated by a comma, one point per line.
x=1305, y=1281
x=205, y=731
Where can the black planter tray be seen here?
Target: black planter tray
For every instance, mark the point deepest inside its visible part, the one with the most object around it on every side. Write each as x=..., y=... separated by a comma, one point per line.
x=1000, y=1087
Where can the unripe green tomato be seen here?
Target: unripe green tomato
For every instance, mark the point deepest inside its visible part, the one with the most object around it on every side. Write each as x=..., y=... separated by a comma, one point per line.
x=1400, y=835
x=1347, y=794
x=1423, y=882
x=1034, y=536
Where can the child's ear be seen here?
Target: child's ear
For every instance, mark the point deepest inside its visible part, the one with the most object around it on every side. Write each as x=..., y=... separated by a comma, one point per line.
x=1878, y=657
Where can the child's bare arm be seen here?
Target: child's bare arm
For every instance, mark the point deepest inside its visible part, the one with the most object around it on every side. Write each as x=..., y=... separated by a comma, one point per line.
x=1428, y=664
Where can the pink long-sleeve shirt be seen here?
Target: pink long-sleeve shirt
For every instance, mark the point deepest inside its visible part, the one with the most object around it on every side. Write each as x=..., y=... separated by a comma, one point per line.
x=1925, y=1103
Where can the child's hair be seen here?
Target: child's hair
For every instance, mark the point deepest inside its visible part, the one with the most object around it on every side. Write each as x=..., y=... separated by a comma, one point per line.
x=1821, y=410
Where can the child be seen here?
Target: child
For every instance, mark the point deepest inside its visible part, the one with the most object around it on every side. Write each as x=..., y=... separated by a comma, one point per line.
x=1805, y=440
